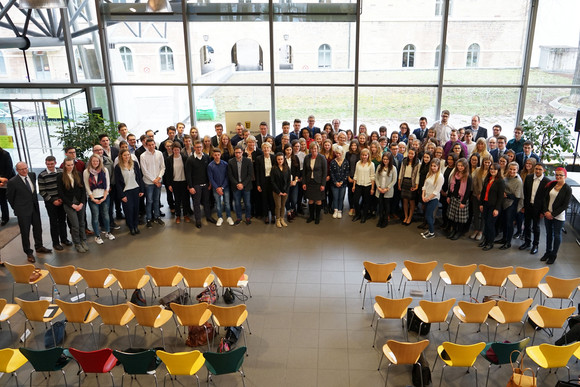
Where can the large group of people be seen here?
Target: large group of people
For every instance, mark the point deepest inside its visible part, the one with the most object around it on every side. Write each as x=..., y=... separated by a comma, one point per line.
x=485, y=186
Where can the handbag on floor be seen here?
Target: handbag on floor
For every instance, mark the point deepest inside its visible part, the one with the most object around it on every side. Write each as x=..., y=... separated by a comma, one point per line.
x=568, y=383
x=518, y=378
x=414, y=323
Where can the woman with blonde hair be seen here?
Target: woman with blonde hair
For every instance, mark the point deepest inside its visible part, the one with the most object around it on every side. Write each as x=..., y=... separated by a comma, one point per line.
x=477, y=177
x=97, y=183
x=194, y=133
x=430, y=196
x=226, y=147
x=363, y=186
x=339, y=174
x=130, y=188
x=481, y=147
x=314, y=181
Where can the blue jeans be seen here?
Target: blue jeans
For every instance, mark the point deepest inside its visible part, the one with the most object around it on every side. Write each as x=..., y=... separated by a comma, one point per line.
x=430, y=208
x=131, y=208
x=153, y=196
x=219, y=205
x=553, y=235
x=508, y=221
x=102, y=211
x=292, y=198
x=338, y=197
x=238, y=195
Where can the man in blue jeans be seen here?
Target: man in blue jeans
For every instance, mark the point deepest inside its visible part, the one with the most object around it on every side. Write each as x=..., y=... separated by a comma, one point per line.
x=217, y=171
x=153, y=168
x=240, y=174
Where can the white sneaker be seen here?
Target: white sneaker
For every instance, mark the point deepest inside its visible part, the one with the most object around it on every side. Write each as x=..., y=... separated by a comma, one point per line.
x=98, y=240
x=109, y=236
x=429, y=235
x=220, y=221
x=339, y=215
x=335, y=214
x=230, y=221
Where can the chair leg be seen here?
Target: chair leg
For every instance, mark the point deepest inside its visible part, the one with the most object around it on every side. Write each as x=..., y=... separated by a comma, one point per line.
x=431, y=290
x=440, y=379
x=376, y=328
x=387, y=378
x=437, y=287
x=248, y=325
x=457, y=333
x=435, y=362
x=373, y=318
x=443, y=294
x=361, y=284
x=476, y=382
x=380, y=360
x=364, y=296
x=487, y=379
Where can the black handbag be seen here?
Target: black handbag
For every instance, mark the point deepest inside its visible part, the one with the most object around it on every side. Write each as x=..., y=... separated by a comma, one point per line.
x=568, y=383
x=414, y=323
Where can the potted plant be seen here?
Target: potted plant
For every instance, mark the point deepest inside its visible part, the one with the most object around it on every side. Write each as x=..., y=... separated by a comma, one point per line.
x=551, y=136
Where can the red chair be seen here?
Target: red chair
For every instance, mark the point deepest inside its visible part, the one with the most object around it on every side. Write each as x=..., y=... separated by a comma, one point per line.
x=94, y=362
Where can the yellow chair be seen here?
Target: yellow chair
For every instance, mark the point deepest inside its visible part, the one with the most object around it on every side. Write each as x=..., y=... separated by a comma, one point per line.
x=182, y=363
x=98, y=279
x=7, y=311
x=506, y=312
x=388, y=308
x=79, y=313
x=525, y=278
x=64, y=275
x=455, y=275
x=21, y=275
x=11, y=360
x=418, y=271
x=561, y=288
x=196, y=278
x=191, y=315
x=232, y=278
x=492, y=276
x=377, y=273
x=472, y=313
x=552, y=356
x=151, y=316
x=35, y=311
x=549, y=318
x=458, y=356
x=130, y=279
x=168, y=277
x=115, y=315
x=434, y=312
x=402, y=353
x=231, y=316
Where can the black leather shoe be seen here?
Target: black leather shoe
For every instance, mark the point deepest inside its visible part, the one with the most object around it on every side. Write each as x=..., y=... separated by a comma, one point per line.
x=68, y=243
x=500, y=241
x=198, y=224
x=450, y=236
x=516, y=235
x=545, y=257
x=482, y=244
x=355, y=218
x=58, y=247
x=137, y=231
x=132, y=232
x=524, y=246
x=3, y=223
x=487, y=247
x=30, y=258
x=551, y=260
x=211, y=220
x=505, y=246
x=534, y=250
x=44, y=250
x=456, y=236
x=363, y=220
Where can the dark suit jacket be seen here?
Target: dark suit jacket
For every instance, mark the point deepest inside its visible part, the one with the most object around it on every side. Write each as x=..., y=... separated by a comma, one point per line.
x=76, y=195
x=6, y=167
x=261, y=169
x=495, y=154
x=312, y=131
x=496, y=191
x=114, y=153
x=540, y=193
x=481, y=132
x=23, y=202
x=121, y=181
x=260, y=140
x=168, y=176
x=562, y=200
x=247, y=173
x=420, y=136
x=320, y=170
x=520, y=158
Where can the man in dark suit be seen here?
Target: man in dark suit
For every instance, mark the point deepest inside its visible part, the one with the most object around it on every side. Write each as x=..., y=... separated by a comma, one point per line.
x=241, y=174
x=421, y=131
x=215, y=140
x=260, y=138
x=6, y=173
x=478, y=131
x=522, y=157
x=534, y=192
x=239, y=136
x=22, y=196
x=198, y=183
x=311, y=128
x=295, y=134
x=500, y=150
x=285, y=130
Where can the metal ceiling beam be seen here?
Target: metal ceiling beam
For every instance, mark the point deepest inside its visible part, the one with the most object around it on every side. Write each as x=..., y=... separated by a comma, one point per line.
x=6, y=8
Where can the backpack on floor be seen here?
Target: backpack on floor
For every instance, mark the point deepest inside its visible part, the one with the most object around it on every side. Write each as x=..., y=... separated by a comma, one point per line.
x=196, y=336
x=138, y=298
x=421, y=371
x=208, y=295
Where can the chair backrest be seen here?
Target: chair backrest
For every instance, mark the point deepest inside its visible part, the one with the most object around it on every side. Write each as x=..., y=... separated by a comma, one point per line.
x=33, y=310
x=60, y=275
x=459, y=275
x=45, y=360
x=96, y=279
x=229, y=277
x=129, y=279
x=225, y=362
x=114, y=314
x=191, y=315
x=182, y=363
x=420, y=271
x=95, y=362
x=165, y=276
x=393, y=308
x=11, y=360
x=197, y=278
x=20, y=273
x=437, y=311
x=229, y=316
x=562, y=287
x=407, y=353
x=475, y=312
x=495, y=276
x=77, y=312
x=463, y=355
x=505, y=351
x=530, y=278
x=514, y=311
x=379, y=272
x=558, y=355
x=138, y=363
x=145, y=315
x=554, y=317
x=3, y=303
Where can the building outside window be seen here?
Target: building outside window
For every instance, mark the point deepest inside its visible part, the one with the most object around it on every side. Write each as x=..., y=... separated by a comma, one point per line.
x=166, y=57
x=472, y=56
x=127, y=58
x=409, y=56
x=324, y=57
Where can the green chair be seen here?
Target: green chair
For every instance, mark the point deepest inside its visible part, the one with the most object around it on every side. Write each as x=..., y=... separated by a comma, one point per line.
x=138, y=363
x=225, y=363
x=504, y=352
x=47, y=360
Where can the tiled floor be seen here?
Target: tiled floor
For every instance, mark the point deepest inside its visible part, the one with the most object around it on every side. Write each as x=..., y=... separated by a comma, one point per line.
x=308, y=328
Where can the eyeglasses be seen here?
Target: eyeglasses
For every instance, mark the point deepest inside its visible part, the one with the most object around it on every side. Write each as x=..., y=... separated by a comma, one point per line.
x=559, y=175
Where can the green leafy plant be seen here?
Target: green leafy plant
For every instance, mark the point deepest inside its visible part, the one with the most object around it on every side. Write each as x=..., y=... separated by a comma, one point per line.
x=551, y=137
x=84, y=133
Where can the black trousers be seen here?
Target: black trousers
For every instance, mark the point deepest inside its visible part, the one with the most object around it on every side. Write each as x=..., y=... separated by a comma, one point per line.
x=364, y=192
x=532, y=225
x=4, y=205
x=24, y=222
x=201, y=198
x=57, y=218
x=181, y=198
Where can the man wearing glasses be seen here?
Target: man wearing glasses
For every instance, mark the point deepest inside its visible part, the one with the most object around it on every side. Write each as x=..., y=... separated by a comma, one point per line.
x=443, y=128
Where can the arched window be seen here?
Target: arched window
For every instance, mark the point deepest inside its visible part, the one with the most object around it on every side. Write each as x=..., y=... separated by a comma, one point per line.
x=438, y=54
x=127, y=58
x=166, y=56
x=324, y=56
x=409, y=56
x=472, y=56
x=2, y=64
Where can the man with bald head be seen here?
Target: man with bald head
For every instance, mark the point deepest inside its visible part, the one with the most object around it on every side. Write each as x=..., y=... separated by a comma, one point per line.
x=22, y=195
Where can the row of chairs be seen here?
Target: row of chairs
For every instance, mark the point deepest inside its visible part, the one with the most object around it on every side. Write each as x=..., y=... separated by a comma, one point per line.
x=122, y=314
x=130, y=279
x=144, y=362
x=523, y=278
x=546, y=356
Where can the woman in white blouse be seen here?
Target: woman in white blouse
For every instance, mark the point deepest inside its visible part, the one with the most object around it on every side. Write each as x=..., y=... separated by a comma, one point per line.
x=430, y=196
x=364, y=186
x=98, y=183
